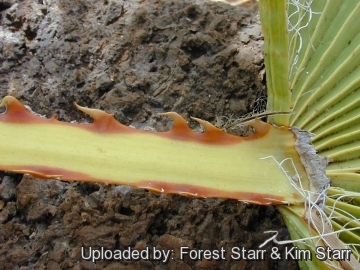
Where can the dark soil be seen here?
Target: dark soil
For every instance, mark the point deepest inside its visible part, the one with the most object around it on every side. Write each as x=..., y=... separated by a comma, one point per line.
x=133, y=59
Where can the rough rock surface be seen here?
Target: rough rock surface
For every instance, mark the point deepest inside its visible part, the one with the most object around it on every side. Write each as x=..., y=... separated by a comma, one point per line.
x=133, y=59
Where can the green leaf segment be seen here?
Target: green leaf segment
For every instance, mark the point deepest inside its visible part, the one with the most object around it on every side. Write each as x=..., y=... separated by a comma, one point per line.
x=323, y=71
x=273, y=13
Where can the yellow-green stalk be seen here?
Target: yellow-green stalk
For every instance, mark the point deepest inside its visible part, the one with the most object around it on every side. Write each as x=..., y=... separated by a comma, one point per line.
x=312, y=56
